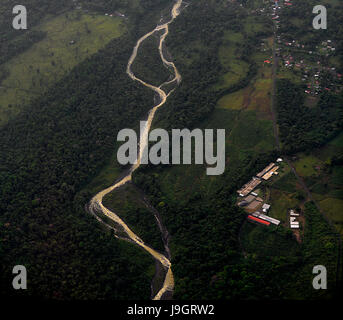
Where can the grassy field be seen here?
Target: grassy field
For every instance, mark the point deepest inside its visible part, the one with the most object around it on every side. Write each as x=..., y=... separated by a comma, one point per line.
x=245, y=136
x=282, y=191
x=325, y=181
x=333, y=208
x=229, y=56
x=234, y=101
x=237, y=69
x=285, y=73
x=256, y=96
x=254, y=25
x=281, y=202
x=180, y=182
x=286, y=182
x=70, y=39
x=338, y=141
x=252, y=133
x=305, y=166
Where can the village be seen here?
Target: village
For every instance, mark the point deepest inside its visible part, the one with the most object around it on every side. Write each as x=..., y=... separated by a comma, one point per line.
x=253, y=204
x=309, y=63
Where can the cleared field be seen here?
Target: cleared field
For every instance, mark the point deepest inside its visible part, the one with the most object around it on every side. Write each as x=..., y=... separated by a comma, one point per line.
x=181, y=182
x=230, y=57
x=70, y=39
x=252, y=133
x=306, y=166
x=260, y=98
x=284, y=73
x=281, y=201
x=325, y=180
x=237, y=69
x=245, y=137
x=233, y=36
x=232, y=101
x=333, y=207
x=255, y=96
x=286, y=183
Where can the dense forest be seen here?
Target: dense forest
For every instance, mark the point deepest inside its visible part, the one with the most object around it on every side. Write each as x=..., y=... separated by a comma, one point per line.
x=301, y=127
x=49, y=153
x=205, y=227
x=62, y=140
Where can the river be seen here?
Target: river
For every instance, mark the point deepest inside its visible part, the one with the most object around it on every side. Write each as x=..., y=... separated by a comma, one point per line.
x=96, y=202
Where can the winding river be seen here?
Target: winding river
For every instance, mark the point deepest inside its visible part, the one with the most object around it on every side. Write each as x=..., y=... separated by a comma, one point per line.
x=96, y=202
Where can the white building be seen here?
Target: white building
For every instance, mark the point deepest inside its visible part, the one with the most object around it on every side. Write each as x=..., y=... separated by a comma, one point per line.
x=265, y=207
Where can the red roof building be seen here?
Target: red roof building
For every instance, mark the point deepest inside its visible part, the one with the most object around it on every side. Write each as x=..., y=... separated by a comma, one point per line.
x=254, y=219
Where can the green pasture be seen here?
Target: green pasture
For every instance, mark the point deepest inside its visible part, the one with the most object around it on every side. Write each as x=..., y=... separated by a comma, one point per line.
x=70, y=39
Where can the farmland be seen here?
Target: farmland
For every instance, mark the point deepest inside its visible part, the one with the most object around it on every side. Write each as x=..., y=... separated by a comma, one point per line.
x=70, y=38
x=324, y=178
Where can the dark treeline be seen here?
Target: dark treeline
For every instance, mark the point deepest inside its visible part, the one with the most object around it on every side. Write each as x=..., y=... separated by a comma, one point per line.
x=303, y=128
x=148, y=65
x=10, y=49
x=49, y=153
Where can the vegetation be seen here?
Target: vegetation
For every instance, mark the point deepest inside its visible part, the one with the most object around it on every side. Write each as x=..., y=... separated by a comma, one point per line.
x=69, y=39
x=50, y=154
x=148, y=65
x=60, y=150
x=301, y=127
x=127, y=202
x=14, y=42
